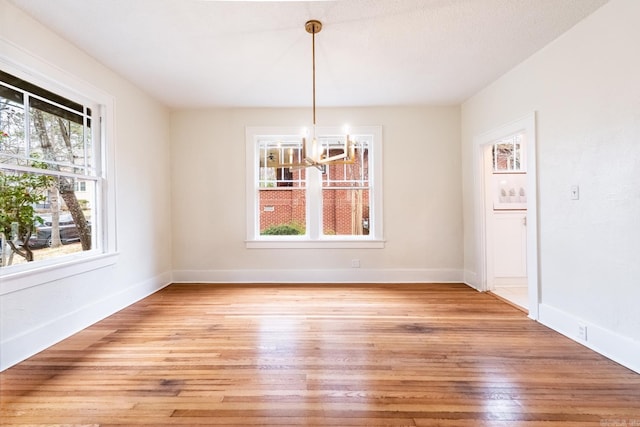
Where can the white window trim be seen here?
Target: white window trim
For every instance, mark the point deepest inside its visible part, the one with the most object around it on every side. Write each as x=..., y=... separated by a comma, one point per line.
x=20, y=63
x=374, y=240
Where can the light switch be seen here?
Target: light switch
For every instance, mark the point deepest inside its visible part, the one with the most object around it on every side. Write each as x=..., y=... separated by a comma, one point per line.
x=575, y=192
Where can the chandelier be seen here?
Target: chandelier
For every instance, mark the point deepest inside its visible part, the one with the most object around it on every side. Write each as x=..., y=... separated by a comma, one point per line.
x=313, y=153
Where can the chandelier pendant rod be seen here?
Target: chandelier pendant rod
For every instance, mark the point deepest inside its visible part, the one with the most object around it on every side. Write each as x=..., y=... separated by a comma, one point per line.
x=348, y=152
x=313, y=26
x=313, y=61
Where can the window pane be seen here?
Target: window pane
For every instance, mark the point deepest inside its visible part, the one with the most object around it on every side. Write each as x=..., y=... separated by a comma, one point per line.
x=282, y=187
x=345, y=195
x=68, y=230
x=12, y=147
x=507, y=154
x=283, y=211
x=51, y=220
x=345, y=212
x=60, y=140
x=281, y=164
x=349, y=173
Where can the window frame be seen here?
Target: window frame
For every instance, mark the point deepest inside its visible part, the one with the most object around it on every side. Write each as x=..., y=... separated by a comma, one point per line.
x=314, y=238
x=519, y=154
x=53, y=79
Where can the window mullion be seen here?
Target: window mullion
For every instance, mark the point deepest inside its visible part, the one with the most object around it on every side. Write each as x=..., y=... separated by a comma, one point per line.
x=85, y=141
x=314, y=203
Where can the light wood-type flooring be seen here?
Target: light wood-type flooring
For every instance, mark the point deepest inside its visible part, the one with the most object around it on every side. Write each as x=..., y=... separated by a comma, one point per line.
x=319, y=355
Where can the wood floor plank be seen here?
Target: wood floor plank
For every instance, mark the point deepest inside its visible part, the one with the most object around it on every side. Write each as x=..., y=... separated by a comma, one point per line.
x=319, y=355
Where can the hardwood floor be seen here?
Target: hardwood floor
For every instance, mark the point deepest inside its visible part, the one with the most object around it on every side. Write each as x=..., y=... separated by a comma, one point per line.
x=319, y=355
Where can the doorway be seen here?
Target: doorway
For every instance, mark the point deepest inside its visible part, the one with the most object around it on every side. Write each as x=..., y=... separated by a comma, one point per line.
x=505, y=193
x=506, y=213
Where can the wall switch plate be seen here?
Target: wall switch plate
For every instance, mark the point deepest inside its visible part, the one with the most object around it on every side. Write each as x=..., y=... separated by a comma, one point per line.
x=575, y=192
x=355, y=263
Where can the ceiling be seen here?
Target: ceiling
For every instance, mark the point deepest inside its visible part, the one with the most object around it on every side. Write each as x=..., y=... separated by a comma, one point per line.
x=205, y=53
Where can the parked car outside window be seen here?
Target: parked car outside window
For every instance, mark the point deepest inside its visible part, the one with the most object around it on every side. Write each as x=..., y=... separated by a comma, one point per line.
x=42, y=235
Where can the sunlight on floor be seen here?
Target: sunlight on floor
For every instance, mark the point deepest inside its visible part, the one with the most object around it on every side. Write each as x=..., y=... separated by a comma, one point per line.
x=518, y=295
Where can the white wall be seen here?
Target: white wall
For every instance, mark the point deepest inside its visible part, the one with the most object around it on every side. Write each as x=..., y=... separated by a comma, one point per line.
x=44, y=313
x=585, y=90
x=422, y=199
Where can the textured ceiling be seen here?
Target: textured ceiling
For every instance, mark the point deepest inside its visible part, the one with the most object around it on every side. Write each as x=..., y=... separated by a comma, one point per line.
x=198, y=53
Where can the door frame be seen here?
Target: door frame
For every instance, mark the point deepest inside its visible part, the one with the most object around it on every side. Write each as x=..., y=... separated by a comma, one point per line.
x=527, y=126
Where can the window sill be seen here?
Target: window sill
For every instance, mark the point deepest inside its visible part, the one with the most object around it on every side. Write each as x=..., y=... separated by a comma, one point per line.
x=315, y=244
x=16, y=280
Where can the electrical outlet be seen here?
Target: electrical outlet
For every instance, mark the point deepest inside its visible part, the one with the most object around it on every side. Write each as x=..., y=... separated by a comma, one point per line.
x=582, y=332
x=355, y=263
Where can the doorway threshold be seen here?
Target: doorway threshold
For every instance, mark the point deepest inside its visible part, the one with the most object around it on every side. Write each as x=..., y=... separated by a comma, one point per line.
x=514, y=296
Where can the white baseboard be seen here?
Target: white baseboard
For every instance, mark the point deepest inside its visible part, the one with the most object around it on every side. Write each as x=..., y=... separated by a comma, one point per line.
x=20, y=347
x=353, y=275
x=616, y=347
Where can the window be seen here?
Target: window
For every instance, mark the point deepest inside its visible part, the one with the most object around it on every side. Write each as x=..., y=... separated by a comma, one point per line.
x=508, y=154
x=52, y=203
x=338, y=205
